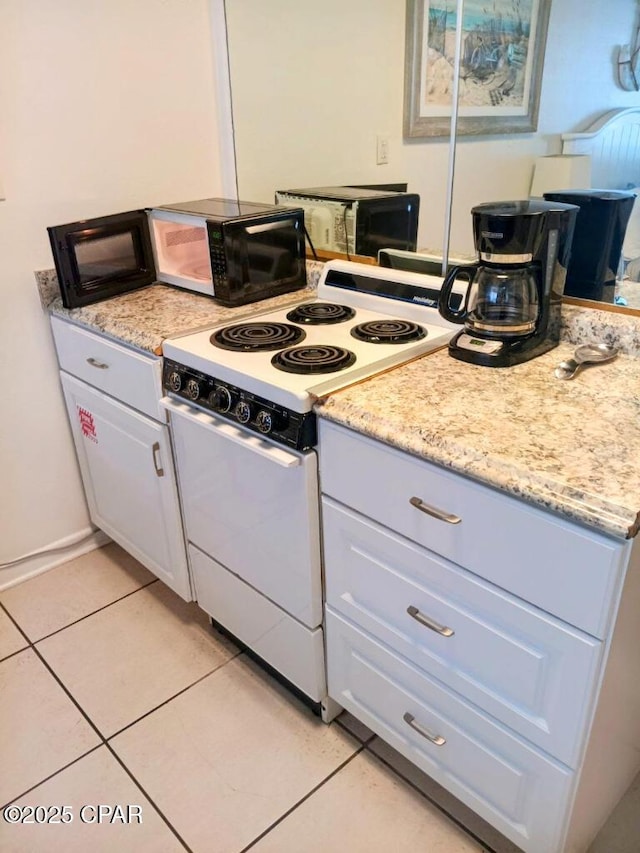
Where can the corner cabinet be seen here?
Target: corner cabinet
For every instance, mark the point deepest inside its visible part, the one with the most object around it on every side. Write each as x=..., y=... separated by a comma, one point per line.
x=493, y=644
x=112, y=395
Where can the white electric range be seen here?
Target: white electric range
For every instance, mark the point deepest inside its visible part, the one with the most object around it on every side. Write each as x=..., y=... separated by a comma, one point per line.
x=240, y=400
x=269, y=370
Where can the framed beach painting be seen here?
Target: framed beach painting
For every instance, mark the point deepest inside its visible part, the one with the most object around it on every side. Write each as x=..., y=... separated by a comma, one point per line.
x=501, y=60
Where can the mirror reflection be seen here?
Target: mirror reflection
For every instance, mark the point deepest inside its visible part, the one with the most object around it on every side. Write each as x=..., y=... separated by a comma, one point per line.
x=317, y=94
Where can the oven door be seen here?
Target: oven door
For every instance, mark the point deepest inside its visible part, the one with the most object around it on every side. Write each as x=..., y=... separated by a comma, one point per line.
x=252, y=506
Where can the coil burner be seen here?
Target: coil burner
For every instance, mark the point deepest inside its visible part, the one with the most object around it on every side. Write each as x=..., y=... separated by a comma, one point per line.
x=388, y=332
x=319, y=358
x=320, y=313
x=257, y=337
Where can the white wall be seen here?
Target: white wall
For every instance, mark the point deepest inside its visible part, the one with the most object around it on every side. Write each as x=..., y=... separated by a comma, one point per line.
x=105, y=105
x=331, y=77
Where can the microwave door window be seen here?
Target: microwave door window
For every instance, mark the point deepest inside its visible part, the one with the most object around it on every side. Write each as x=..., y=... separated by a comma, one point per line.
x=272, y=252
x=102, y=258
x=390, y=227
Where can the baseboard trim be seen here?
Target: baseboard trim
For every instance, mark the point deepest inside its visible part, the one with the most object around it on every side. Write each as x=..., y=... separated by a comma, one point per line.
x=55, y=554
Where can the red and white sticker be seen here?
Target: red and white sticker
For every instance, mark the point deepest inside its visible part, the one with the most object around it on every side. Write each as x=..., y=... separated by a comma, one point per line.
x=87, y=424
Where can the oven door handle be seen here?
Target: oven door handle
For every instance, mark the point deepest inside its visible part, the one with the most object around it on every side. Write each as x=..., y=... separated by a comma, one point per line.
x=221, y=428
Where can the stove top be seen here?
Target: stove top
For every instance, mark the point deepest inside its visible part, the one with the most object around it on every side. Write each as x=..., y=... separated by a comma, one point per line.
x=365, y=320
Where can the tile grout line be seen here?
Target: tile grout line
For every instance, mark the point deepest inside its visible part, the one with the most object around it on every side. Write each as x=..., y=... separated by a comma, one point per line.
x=302, y=800
x=18, y=628
x=485, y=847
x=51, y=775
x=171, y=698
x=103, y=740
x=149, y=798
x=82, y=618
x=104, y=743
x=17, y=652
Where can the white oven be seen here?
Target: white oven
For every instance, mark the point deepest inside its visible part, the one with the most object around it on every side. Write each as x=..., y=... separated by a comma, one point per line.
x=251, y=516
x=240, y=398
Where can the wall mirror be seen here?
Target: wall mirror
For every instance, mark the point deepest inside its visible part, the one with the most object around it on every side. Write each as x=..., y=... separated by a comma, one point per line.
x=317, y=95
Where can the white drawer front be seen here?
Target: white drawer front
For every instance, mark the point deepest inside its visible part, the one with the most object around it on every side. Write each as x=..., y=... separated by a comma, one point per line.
x=292, y=649
x=506, y=781
x=129, y=376
x=523, y=667
x=560, y=567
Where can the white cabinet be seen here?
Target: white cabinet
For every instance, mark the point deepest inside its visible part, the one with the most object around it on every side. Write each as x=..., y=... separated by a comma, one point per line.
x=487, y=641
x=527, y=669
x=517, y=788
x=511, y=544
x=124, y=454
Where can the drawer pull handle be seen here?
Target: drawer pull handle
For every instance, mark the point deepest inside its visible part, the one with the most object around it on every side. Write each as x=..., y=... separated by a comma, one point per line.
x=411, y=721
x=155, y=450
x=95, y=363
x=418, y=503
x=443, y=630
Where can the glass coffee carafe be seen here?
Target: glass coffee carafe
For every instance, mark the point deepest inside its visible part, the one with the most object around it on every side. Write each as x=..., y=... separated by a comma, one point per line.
x=500, y=302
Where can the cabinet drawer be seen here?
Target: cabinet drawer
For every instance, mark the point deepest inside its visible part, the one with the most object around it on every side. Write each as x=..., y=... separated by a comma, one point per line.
x=517, y=789
x=291, y=648
x=531, y=672
x=560, y=567
x=129, y=376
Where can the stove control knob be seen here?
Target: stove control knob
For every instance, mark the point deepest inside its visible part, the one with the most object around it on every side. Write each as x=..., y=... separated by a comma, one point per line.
x=221, y=399
x=192, y=389
x=243, y=412
x=174, y=381
x=264, y=421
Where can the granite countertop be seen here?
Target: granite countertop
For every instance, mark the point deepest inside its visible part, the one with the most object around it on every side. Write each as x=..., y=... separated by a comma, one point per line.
x=566, y=446
x=145, y=318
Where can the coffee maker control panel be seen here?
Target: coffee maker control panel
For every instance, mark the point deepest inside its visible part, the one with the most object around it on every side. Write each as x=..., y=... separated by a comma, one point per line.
x=479, y=344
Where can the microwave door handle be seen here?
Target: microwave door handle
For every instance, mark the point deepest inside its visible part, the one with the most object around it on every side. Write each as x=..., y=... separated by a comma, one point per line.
x=227, y=430
x=243, y=251
x=239, y=257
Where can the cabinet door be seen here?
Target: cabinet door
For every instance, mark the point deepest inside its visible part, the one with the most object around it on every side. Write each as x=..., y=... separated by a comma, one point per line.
x=127, y=470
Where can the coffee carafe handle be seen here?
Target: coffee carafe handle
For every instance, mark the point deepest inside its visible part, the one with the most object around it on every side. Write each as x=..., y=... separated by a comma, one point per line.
x=454, y=315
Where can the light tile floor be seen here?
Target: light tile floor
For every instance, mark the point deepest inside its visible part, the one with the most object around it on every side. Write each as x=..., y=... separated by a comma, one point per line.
x=114, y=692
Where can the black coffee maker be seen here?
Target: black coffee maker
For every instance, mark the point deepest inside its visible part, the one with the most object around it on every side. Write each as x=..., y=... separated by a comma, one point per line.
x=597, y=240
x=511, y=309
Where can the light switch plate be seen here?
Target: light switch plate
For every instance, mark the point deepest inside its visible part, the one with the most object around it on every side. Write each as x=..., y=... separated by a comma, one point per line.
x=382, y=149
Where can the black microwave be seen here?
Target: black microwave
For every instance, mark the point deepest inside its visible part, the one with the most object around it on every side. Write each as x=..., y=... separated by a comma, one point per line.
x=357, y=220
x=235, y=251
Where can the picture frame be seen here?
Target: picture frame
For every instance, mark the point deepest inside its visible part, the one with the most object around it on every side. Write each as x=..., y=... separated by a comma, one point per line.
x=501, y=62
